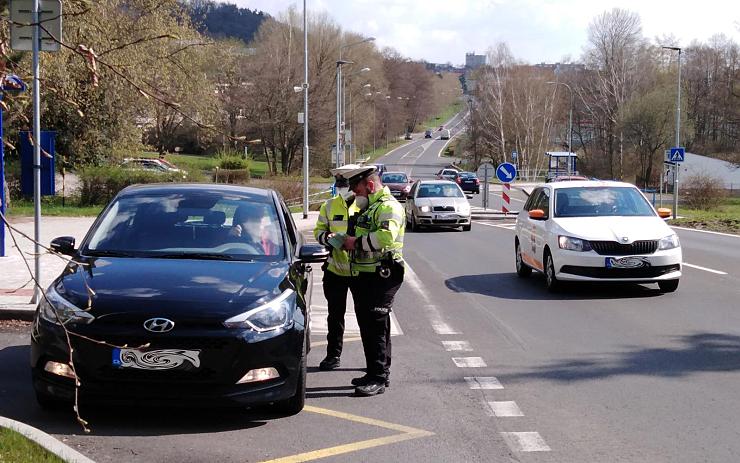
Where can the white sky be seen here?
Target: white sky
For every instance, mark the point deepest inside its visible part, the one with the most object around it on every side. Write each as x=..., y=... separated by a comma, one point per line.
x=536, y=30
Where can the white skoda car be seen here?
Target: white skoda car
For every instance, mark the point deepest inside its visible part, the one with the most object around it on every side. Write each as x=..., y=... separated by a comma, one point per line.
x=596, y=231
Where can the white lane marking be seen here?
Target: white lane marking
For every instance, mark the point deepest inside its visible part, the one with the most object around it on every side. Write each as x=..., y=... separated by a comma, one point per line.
x=705, y=231
x=469, y=362
x=718, y=272
x=504, y=226
x=394, y=149
x=505, y=409
x=526, y=441
x=453, y=135
x=438, y=323
x=443, y=328
x=483, y=382
x=459, y=346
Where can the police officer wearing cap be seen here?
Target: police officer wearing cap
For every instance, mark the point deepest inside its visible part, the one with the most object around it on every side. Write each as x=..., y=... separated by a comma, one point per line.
x=336, y=220
x=376, y=254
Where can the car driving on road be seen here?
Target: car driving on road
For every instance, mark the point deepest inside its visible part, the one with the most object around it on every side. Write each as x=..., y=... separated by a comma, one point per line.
x=595, y=231
x=399, y=183
x=468, y=181
x=180, y=295
x=437, y=203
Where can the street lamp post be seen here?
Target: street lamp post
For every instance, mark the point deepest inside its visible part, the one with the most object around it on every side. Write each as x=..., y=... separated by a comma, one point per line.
x=305, y=113
x=340, y=99
x=678, y=132
x=570, y=122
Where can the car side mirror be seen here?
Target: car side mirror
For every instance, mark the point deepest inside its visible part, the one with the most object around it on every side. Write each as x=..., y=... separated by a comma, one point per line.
x=63, y=245
x=313, y=253
x=537, y=214
x=664, y=212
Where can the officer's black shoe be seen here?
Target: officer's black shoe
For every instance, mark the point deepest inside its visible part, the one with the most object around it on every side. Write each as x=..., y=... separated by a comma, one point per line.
x=329, y=363
x=363, y=380
x=374, y=387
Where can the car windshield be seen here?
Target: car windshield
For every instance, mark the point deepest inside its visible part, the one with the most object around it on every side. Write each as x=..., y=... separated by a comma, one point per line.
x=199, y=225
x=440, y=190
x=466, y=175
x=395, y=178
x=601, y=201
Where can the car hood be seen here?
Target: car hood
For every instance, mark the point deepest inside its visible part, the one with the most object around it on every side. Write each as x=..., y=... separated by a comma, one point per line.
x=397, y=186
x=126, y=288
x=459, y=203
x=614, y=228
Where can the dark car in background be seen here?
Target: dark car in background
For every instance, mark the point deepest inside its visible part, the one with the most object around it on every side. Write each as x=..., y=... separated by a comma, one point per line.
x=468, y=181
x=399, y=183
x=199, y=294
x=428, y=133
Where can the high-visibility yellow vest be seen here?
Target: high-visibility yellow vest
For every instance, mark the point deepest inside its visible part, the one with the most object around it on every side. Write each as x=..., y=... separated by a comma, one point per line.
x=334, y=216
x=379, y=231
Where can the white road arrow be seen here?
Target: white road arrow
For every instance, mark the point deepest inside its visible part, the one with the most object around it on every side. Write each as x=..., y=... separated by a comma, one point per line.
x=506, y=172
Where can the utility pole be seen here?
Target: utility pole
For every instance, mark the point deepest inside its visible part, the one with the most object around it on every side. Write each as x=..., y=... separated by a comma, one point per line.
x=305, y=113
x=678, y=133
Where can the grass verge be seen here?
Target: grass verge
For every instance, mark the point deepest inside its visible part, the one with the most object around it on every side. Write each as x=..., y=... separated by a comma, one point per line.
x=16, y=448
x=52, y=206
x=441, y=118
x=725, y=218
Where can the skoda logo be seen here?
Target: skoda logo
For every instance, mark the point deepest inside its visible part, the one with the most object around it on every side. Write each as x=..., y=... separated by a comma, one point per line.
x=159, y=325
x=625, y=239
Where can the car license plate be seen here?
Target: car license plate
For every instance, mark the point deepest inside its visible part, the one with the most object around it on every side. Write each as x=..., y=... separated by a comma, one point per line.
x=156, y=359
x=627, y=262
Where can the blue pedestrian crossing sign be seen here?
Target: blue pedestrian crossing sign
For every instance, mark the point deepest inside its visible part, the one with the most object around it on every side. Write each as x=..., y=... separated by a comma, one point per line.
x=677, y=154
x=506, y=172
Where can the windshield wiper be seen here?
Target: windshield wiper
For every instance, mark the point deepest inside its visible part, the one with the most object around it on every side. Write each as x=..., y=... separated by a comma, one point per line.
x=194, y=255
x=107, y=253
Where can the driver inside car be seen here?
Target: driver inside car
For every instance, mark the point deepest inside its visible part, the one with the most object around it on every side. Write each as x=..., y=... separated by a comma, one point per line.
x=252, y=225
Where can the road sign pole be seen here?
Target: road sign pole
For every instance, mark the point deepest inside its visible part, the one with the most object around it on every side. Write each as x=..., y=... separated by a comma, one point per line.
x=485, y=187
x=678, y=139
x=506, y=204
x=36, y=152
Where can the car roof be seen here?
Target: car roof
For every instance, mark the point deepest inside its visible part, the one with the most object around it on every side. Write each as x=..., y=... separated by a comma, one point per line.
x=194, y=187
x=589, y=183
x=394, y=173
x=437, y=182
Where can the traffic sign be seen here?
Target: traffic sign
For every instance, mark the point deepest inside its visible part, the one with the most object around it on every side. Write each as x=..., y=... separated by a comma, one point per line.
x=677, y=154
x=21, y=31
x=486, y=170
x=506, y=172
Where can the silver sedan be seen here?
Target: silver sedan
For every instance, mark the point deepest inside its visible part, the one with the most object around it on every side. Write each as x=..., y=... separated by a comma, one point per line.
x=437, y=203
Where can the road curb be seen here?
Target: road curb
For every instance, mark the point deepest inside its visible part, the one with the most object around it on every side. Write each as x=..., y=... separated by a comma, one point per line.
x=46, y=441
x=17, y=311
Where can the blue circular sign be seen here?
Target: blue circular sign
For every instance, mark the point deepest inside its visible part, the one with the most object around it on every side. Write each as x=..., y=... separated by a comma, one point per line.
x=506, y=172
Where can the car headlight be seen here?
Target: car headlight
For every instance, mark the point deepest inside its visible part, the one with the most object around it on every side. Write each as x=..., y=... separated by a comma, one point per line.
x=424, y=208
x=56, y=309
x=669, y=242
x=406, y=189
x=573, y=244
x=269, y=316
x=464, y=209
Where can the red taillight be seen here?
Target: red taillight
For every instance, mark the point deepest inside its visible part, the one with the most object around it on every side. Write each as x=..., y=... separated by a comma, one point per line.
x=457, y=180
x=477, y=182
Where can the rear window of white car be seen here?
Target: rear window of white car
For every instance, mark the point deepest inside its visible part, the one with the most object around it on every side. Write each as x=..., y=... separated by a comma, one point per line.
x=601, y=201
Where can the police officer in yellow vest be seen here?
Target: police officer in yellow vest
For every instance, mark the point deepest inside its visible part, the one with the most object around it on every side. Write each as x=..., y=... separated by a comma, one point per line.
x=376, y=254
x=336, y=220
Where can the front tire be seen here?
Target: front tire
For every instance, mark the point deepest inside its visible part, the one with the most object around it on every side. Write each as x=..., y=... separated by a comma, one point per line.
x=467, y=227
x=551, y=281
x=414, y=227
x=523, y=270
x=668, y=286
x=295, y=404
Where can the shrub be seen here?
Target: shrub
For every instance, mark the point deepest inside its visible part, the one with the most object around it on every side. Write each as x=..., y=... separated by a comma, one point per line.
x=290, y=190
x=702, y=191
x=233, y=163
x=236, y=176
x=98, y=185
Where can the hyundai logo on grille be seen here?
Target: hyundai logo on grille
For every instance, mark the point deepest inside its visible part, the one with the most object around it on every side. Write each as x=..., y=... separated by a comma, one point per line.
x=159, y=325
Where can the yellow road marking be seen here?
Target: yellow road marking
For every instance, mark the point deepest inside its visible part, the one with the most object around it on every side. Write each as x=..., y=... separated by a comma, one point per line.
x=407, y=433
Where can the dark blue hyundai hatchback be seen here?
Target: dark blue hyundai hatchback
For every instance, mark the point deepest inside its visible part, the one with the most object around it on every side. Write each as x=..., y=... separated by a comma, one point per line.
x=180, y=295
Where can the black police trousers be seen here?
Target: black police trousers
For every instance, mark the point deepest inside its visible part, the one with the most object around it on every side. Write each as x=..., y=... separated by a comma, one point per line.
x=373, y=297
x=335, y=292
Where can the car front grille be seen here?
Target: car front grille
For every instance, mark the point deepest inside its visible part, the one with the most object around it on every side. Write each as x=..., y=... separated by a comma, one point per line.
x=612, y=248
x=608, y=273
x=444, y=209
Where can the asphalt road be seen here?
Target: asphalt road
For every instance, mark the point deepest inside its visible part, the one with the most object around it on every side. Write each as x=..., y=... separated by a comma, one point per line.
x=596, y=373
